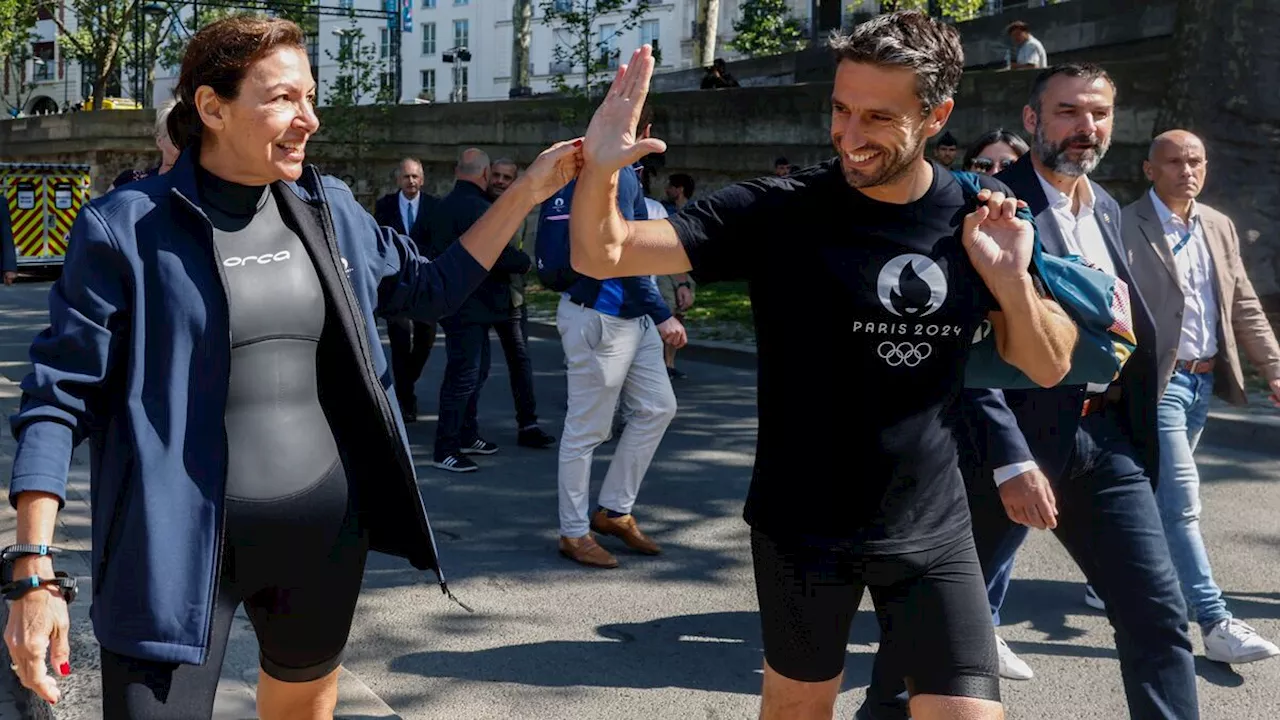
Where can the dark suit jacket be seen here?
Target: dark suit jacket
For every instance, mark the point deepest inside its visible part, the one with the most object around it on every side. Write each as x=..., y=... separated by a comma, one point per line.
x=387, y=212
x=1242, y=323
x=8, y=254
x=453, y=216
x=1050, y=417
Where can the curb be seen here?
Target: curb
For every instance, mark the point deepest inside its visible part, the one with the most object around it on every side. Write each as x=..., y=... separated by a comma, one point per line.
x=1254, y=428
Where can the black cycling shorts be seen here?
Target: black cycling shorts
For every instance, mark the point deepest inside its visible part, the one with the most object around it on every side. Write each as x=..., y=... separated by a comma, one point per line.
x=297, y=564
x=935, y=623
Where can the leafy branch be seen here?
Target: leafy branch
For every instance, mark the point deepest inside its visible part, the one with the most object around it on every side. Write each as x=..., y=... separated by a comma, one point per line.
x=582, y=52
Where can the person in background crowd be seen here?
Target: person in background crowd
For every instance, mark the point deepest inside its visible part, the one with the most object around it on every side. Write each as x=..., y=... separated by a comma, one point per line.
x=408, y=212
x=994, y=152
x=513, y=332
x=222, y=474
x=679, y=192
x=466, y=338
x=1028, y=51
x=717, y=76
x=945, y=150
x=613, y=332
x=8, y=253
x=1186, y=258
x=168, y=151
x=677, y=290
x=781, y=167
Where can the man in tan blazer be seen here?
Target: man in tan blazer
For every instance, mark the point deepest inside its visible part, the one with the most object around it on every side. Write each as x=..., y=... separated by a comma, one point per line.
x=1185, y=258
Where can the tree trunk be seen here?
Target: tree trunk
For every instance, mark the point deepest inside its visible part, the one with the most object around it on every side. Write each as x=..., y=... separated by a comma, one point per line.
x=708, y=27
x=522, y=28
x=1222, y=88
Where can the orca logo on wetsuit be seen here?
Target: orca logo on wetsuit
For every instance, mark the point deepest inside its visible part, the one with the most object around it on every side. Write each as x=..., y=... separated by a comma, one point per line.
x=264, y=259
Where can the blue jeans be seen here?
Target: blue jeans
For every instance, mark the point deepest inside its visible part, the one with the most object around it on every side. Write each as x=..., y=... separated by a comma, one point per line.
x=1182, y=414
x=467, y=348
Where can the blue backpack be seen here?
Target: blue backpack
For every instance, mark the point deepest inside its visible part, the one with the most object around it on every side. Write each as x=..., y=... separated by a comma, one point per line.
x=1098, y=303
x=551, y=246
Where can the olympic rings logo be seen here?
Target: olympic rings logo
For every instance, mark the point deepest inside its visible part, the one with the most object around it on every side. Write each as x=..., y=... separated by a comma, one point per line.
x=906, y=353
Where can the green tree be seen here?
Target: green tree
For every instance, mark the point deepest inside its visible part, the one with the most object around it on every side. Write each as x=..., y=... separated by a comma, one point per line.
x=361, y=80
x=175, y=45
x=767, y=27
x=580, y=46
x=957, y=10
x=102, y=40
x=17, y=20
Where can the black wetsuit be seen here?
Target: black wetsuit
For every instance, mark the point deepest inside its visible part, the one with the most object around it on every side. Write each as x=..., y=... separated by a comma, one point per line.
x=293, y=551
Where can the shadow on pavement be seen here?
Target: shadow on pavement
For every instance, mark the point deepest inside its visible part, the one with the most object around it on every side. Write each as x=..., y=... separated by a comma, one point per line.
x=718, y=652
x=1219, y=674
x=1046, y=605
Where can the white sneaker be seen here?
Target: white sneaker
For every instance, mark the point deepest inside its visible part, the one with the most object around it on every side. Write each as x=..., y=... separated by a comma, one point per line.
x=1092, y=600
x=1011, y=666
x=1232, y=641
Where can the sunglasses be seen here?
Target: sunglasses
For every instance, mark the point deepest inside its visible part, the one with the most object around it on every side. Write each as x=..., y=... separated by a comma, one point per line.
x=986, y=165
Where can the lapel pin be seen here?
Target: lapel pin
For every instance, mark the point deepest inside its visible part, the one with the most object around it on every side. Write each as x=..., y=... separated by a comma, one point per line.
x=1106, y=217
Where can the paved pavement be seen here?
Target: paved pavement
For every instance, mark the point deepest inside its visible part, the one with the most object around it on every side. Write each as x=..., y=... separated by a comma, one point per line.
x=674, y=636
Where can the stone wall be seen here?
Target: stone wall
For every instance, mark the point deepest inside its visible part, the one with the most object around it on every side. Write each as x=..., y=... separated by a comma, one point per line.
x=718, y=137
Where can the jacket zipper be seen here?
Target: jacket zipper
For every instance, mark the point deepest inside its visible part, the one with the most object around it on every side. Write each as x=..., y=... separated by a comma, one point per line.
x=384, y=403
x=226, y=444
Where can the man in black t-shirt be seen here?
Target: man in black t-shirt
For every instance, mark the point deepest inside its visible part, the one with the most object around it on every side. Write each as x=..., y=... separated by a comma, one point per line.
x=899, y=275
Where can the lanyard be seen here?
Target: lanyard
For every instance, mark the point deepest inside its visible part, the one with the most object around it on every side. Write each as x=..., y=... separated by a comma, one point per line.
x=1186, y=238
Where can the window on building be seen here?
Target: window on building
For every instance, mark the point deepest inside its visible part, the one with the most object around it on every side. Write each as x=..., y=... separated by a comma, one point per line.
x=313, y=51
x=429, y=38
x=461, y=2
x=346, y=45
x=649, y=30
x=609, y=45
x=564, y=5
x=462, y=33
x=463, y=81
x=428, y=4
x=428, y=81
x=42, y=61
x=563, y=45
x=384, y=44
x=345, y=4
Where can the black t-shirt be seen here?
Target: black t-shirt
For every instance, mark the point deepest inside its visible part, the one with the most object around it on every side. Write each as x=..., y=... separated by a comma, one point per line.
x=864, y=314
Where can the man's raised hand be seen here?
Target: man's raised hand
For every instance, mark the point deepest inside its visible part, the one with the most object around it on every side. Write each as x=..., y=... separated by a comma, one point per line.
x=611, y=142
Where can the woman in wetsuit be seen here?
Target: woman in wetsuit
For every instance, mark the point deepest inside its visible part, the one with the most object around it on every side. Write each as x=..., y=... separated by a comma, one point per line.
x=213, y=337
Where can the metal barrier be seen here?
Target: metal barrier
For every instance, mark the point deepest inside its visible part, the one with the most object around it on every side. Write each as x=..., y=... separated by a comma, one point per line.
x=43, y=200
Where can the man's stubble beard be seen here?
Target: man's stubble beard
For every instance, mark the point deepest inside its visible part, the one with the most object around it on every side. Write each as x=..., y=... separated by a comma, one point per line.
x=897, y=164
x=1054, y=155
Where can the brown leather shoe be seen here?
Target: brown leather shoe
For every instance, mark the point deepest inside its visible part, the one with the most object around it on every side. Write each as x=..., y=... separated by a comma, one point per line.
x=625, y=529
x=587, y=551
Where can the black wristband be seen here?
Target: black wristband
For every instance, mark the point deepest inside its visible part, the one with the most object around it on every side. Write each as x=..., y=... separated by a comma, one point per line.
x=65, y=583
x=14, y=552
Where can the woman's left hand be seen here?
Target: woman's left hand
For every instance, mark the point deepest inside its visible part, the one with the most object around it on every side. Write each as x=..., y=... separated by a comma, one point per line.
x=553, y=169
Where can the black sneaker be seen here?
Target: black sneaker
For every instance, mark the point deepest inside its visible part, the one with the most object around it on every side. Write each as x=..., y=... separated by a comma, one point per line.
x=535, y=437
x=480, y=447
x=457, y=462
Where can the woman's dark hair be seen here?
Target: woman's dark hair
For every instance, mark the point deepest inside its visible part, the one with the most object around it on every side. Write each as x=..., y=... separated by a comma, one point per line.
x=999, y=135
x=220, y=55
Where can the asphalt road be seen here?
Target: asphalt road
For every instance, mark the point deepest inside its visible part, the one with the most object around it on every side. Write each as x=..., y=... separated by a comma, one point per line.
x=676, y=636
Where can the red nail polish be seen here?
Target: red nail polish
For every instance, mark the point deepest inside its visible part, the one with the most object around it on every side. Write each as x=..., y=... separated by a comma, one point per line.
x=65, y=669
x=577, y=143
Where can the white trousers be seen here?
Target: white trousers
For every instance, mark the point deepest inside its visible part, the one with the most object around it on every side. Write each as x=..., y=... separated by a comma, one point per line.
x=609, y=358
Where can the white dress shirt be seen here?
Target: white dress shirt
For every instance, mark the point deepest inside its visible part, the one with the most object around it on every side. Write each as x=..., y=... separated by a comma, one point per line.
x=1081, y=232
x=1191, y=258
x=405, y=205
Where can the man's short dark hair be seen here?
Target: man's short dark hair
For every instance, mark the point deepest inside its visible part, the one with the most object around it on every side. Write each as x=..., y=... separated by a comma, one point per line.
x=1016, y=25
x=948, y=140
x=781, y=161
x=1083, y=70
x=908, y=39
x=682, y=181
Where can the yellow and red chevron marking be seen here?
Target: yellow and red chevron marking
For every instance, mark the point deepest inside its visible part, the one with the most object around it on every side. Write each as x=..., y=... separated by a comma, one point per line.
x=60, y=229
x=28, y=225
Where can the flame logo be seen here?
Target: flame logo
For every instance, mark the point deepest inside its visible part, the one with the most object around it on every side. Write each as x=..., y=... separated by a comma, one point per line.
x=911, y=285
